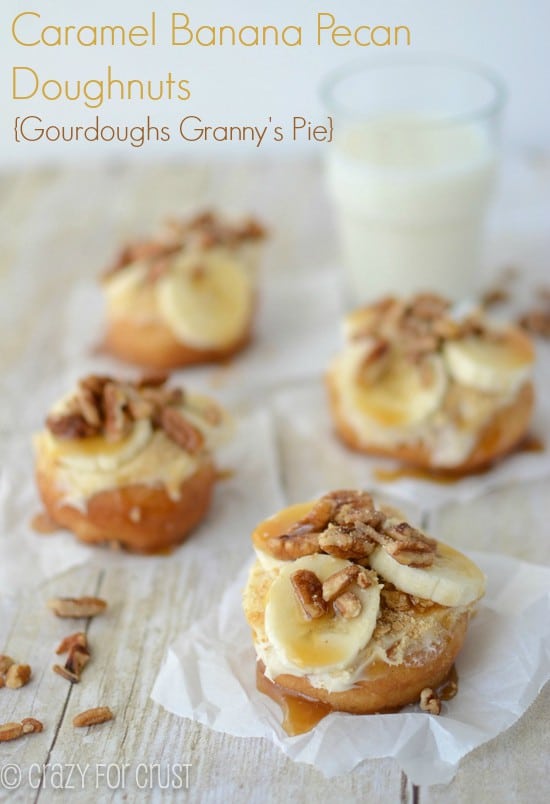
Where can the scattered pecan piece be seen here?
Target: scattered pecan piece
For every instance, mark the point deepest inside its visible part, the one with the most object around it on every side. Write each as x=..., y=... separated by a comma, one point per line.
x=70, y=641
x=92, y=717
x=67, y=674
x=77, y=606
x=429, y=702
x=355, y=544
x=77, y=659
x=5, y=664
x=18, y=675
x=181, y=431
x=347, y=605
x=309, y=593
x=10, y=731
x=31, y=725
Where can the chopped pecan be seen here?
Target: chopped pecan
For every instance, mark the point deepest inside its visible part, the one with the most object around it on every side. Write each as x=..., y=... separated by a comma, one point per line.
x=429, y=305
x=292, y=546
x=429, y=702
x=407, y=545
x=70, y=641
x=31, y=725
x=181, y=431
x=337, y=583
x=77, y=606
x=70, y=425
x=348, y=605
x=117, y=422
x=10, y=731
x=92, y=717
x=18, y=675
x=309, y=593
x=357, y=543
x=5, y=663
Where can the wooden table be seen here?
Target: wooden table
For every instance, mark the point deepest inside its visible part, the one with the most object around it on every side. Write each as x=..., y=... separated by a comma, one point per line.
x=151, y=601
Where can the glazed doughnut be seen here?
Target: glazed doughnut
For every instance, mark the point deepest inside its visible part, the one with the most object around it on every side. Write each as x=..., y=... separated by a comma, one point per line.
x=353, y=607
x=129, y=464
x=187, y=296
x=435, y=388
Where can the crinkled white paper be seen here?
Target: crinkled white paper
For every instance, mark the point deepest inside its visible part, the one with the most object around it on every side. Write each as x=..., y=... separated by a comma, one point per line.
x=209, y=676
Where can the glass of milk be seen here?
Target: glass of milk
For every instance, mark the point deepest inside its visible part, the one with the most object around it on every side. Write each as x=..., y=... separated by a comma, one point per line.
x=411, y=170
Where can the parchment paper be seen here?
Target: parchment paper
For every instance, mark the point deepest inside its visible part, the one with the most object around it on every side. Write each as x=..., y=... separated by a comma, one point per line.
x=209, y=676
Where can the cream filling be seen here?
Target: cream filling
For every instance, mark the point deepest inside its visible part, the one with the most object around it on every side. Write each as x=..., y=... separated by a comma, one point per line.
x=160, y=463
x=449, y=442
x=155, y=461
x=393, y=648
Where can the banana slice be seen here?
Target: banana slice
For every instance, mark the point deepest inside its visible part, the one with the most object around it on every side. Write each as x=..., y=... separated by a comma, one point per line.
x=492, y=365
x=402, y=395
x=206, y=300
x=95, y=454
x=128, y=292
x=328, y=643
x=452, y=580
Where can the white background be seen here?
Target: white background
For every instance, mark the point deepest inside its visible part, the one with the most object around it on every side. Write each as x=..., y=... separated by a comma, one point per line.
x=245, y=85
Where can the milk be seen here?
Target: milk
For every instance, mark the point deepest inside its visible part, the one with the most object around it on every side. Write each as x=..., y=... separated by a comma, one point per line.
x=411, y=195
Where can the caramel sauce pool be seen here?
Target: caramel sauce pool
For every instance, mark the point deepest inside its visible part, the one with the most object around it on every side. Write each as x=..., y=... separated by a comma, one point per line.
x=301, y=714
x=529, y=444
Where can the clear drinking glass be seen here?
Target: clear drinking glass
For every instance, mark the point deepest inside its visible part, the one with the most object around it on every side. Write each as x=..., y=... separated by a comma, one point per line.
x=411, y=171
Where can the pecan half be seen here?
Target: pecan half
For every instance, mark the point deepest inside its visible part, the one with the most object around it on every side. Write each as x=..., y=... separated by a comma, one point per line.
x=347, y=605
x=429, y=702
x=10, y=731
x=77, y=606
x=338, y=582
x=291, y=546
x=70, y=425
x=181, y=431
x=70, y=641
x=92, y=717
x=67, y=674
x=407, y=545
x=309, y=593
x=31, y=725
x=18, y=675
